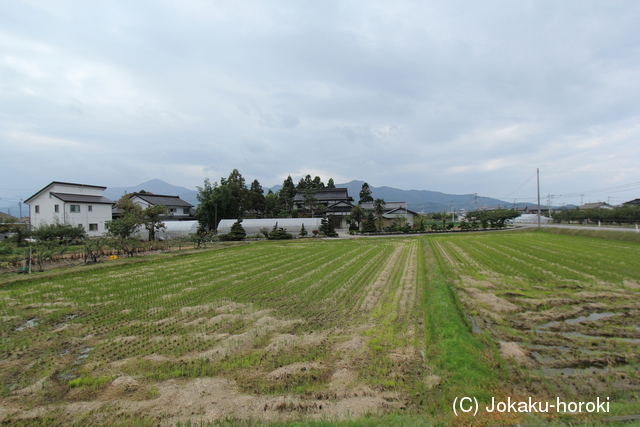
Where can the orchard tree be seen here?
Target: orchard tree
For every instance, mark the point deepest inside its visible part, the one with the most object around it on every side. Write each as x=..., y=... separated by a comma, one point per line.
x=130, y=220
x=152, y=219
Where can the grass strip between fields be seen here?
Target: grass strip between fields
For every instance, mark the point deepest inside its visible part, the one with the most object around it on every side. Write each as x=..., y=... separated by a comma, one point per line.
x=465, y=363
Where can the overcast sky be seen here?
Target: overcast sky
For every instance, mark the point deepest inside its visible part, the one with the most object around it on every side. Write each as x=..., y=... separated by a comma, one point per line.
x=458, y=96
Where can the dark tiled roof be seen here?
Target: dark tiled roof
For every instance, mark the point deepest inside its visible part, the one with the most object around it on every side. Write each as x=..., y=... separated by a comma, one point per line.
x=402, y=209
x=159, y=199
x=82, y=198
x=325, y=194
x=64, y=183
x=388, y=206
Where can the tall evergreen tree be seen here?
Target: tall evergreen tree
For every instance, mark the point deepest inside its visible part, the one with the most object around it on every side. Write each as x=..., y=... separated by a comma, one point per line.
x=236, y=184
x=271, y=208
x=317, y=183
x=365, y=194
x=256, y=200
x=331, y=184
x=287, y=193
x=369, y=224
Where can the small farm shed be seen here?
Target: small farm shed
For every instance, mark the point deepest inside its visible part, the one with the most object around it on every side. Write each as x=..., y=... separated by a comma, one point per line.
x=253, y=226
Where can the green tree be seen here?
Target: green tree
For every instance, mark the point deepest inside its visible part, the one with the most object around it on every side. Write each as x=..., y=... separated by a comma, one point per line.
x=369, y=224
x=279, y=233
x=317, y=183
x=236, y=184
x=357, y=215
x=378, y=208
x=130, y=220
x=271, y=205
x=216, y=202
x=152, y=219
x=287, y=193
x=365, y=194
x=256, y=199
x=311, y=202
x=330, y=183
x=206, y=212
x=58, y=231
x=327, y=227
x=305, y=183
x=236, y=233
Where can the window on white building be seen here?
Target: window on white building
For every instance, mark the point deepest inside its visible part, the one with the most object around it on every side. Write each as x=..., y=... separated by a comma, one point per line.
x=74, y=208
x=37, y=208
x=90, y=208
x=93, y=227
x=56, y=208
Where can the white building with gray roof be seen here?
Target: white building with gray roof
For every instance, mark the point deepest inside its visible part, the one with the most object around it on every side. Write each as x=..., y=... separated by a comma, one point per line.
x=70, y=203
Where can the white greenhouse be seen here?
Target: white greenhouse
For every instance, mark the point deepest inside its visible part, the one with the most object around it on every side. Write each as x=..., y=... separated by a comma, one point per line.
x=173, y=230
x=255, y=226
x=530, y=219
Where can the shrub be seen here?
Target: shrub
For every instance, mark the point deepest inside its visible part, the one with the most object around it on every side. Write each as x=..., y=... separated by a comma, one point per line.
x=279, y=233
x=58, y=231
x=236, y=233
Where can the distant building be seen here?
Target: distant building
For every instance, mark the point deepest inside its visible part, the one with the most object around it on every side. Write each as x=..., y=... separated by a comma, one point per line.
x=391, y=211
x=177, y=209
x=69, y=203
x=335, y=201
x=597, y=205
x=634, y=202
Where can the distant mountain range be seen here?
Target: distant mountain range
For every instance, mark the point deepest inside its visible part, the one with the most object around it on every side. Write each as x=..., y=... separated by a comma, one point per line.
x=417, y=200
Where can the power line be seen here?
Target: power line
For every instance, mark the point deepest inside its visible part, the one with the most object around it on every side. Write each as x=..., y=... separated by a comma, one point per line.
x=614, y=189
x=508, y=196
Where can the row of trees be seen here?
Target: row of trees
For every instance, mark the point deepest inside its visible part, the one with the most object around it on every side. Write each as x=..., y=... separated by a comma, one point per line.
x=497, y=218
x=232, y=199
x=620, y=215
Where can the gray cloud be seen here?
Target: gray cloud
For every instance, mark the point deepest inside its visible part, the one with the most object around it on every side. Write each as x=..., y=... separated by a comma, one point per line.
x=457, y=96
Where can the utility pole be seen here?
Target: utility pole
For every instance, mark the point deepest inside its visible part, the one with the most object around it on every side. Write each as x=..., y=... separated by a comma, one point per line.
x=538, y=181
x=451, y=208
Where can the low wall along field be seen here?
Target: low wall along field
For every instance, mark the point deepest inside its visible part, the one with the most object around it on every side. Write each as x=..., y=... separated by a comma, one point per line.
x=327, y=330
